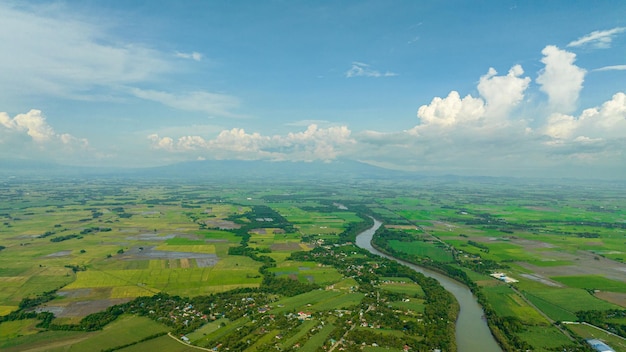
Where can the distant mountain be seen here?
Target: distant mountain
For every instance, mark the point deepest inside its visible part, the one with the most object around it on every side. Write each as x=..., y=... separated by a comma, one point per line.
x=237, y=169
x=210, y=169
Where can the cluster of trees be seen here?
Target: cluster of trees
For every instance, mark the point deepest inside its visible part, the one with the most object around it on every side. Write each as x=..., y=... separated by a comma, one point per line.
x=611, y=320
x=63, y=238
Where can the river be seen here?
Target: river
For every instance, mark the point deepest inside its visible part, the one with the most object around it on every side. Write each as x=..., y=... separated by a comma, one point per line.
x=472, y=332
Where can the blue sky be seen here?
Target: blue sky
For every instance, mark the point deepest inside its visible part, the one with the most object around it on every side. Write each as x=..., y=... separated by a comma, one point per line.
x=517, y=88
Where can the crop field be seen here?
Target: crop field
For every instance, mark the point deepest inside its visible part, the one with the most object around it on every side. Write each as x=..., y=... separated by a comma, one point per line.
x=307, y=272
x=507, y=303
x=402, y=285
x=102, y=243
x=423, y=249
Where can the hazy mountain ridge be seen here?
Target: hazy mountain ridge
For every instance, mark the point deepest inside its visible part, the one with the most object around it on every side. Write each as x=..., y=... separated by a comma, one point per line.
x=214, y=169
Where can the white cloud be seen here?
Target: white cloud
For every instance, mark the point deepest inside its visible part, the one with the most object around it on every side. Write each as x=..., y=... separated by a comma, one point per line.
x=561, y=80
x=360, y=69
x=451, y=110
x=54, y=54
x=490, y=134
x=499, y=95
x=502, y=93
x=312, y=144
x=612, y=68
x=598, y=39
x=34, y=124
x=196, y=56
x=200, y=101
x=605, y=122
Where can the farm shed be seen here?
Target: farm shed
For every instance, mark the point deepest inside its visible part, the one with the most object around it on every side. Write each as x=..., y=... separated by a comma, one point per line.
x=599, y=346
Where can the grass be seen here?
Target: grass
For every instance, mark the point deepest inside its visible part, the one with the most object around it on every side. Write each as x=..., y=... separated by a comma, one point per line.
x=407, y=287
x=561, y=304
x=43, y=340
x=544, y=338
x=13, y=329
x=318, y=339
x=422, y=249
x=163, y=343
x=592, y=282
x=507, y=303
x=124, y=330
x=206, y=329
x=344, y=301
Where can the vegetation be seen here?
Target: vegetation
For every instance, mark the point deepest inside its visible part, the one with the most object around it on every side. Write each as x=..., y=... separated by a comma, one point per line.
x=78, y=258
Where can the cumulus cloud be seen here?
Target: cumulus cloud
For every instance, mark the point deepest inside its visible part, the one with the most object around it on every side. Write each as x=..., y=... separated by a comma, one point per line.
x=312, y=144
x=598, y=39
x=360, y=69
x=451, y=110
x=200, y=101
x=196, y=56
x=502, y=93
x=605, y=122
x=561, y=80
x=34, y=125
x=498, y=96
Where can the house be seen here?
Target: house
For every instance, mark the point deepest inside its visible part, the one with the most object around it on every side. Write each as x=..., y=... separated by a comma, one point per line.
x=304, y=315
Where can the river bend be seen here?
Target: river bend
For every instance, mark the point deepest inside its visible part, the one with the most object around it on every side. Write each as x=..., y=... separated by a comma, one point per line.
x=472, y=332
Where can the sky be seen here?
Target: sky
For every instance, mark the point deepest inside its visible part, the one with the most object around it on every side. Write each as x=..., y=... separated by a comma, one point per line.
x=486, y=87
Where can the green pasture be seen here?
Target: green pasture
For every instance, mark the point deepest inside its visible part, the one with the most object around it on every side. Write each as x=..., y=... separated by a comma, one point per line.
x=507, y=303
x=162, y=343
x=206, y=329
x=544, y=338
x=318, y=339
x=124, y=330
x=562, y=303
x=209, y=339
x=344, y=301
x=218, y=235
x=12, y=329
x=592, y=282
x=42, y=341
x=307, y=272
x=305, y=301
x=240, y=271
x=414, y=304
x=305, y=327
x=402, y=285
x=422, y=249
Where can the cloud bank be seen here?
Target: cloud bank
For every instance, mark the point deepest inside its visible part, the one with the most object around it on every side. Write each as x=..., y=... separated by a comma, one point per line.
x=505, y=129
x=31, y=133
x=314, y=143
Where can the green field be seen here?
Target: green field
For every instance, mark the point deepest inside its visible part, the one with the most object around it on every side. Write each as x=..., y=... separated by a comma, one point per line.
x=110, y=241
x=422, y=249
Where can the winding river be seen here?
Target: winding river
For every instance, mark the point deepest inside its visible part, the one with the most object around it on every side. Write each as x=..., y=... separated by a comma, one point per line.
x=472, y=332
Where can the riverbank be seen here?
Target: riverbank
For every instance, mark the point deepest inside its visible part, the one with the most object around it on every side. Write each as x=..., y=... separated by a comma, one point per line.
x=472, y=333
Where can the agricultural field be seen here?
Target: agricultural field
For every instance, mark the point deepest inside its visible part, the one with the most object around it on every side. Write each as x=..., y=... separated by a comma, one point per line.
x=101, y=244
x=562, y=247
